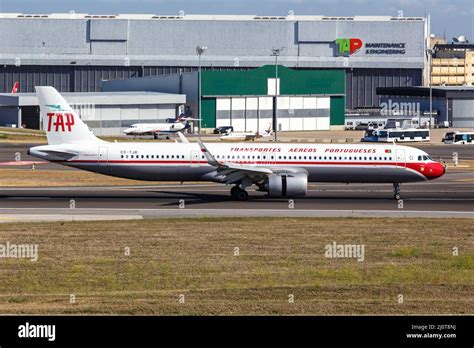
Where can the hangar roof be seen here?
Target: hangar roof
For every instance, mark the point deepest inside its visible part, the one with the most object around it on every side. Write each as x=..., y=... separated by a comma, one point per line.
x=98, y=98
x=205, y=17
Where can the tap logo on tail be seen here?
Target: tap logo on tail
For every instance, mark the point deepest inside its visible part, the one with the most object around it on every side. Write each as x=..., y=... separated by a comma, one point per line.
x=60, y=122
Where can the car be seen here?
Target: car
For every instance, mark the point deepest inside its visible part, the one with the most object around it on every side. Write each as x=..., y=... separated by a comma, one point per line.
x=223, y=130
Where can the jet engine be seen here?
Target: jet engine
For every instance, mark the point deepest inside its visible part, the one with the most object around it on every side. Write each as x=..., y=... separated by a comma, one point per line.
x=286, y=185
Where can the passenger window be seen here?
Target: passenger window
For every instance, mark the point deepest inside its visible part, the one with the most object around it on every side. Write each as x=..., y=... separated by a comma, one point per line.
x=121, y=156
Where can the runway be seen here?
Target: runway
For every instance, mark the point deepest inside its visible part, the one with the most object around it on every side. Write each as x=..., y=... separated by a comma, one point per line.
x=450, y=196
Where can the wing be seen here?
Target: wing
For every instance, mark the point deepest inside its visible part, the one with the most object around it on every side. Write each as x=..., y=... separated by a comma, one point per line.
x=229, y=173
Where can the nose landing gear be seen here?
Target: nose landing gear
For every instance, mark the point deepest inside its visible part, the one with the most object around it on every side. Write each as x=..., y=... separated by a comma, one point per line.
x=238, y=194
x=396, y=190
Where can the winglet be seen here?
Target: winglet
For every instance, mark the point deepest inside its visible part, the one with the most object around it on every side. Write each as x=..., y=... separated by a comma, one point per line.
x=209, y=157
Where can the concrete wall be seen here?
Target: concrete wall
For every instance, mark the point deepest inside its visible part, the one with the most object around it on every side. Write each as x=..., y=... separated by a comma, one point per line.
x=126, y=41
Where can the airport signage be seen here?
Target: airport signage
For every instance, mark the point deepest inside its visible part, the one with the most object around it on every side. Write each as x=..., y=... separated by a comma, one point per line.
x=349, y=46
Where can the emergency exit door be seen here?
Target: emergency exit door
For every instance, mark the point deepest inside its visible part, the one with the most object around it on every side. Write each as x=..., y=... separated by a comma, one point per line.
x=401, y=157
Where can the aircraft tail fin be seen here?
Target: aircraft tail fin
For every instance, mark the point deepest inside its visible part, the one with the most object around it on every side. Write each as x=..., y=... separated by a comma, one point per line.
x=15, y=87
x=60, y=122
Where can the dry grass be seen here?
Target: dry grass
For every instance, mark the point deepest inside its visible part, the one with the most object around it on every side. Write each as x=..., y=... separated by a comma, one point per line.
x=278, y=257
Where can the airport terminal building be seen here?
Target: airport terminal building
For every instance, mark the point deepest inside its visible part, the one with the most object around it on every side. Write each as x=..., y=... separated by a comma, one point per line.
x=76, y=52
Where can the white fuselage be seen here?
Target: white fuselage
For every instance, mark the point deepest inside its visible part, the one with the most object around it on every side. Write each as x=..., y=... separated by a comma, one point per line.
x=154, y=128
x=185, y=161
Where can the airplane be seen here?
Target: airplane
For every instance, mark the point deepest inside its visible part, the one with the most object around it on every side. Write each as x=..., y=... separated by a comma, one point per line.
x=280, y=170
x=15, y=87
x=156, y=129
x=246, y=136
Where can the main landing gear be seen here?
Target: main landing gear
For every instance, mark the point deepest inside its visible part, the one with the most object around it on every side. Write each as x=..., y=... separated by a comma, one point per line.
x=238, y=194
x=396, y=190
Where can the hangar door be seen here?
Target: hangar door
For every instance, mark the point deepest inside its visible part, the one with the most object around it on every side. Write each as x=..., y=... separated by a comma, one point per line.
x=249, y=114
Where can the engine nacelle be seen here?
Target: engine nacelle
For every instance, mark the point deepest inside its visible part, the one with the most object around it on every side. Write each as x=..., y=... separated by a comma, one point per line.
x=287, y=185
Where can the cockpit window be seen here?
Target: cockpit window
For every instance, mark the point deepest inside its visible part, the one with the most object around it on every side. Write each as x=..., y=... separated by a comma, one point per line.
x=427, y=158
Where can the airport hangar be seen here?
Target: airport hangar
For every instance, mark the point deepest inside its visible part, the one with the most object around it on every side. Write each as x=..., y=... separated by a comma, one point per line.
x=76, y=52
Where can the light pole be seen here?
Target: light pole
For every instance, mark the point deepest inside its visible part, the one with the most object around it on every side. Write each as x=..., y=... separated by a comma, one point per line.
x=276, y=52
x=430, y=52
x=199, y=51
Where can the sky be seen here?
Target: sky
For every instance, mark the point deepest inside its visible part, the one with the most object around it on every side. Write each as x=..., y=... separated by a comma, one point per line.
x=448, y=17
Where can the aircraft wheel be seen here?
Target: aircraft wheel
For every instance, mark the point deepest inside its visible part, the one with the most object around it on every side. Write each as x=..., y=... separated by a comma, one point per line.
x=242, y=195
x=238, y=194
x=234, y=191
x=397, y=196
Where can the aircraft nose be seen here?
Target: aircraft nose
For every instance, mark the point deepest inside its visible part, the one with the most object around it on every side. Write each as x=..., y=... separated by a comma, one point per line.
x=436, y=170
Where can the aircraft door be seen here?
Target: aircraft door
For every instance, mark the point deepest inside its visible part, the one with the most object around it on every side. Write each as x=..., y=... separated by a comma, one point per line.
x=102, y=158
x=401, y=157
x=195, y=156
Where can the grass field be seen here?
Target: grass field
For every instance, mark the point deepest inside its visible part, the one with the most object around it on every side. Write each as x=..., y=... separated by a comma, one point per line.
x=278, y=257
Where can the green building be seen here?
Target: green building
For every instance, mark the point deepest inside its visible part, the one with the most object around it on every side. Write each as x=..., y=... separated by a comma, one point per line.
x=307, y=99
